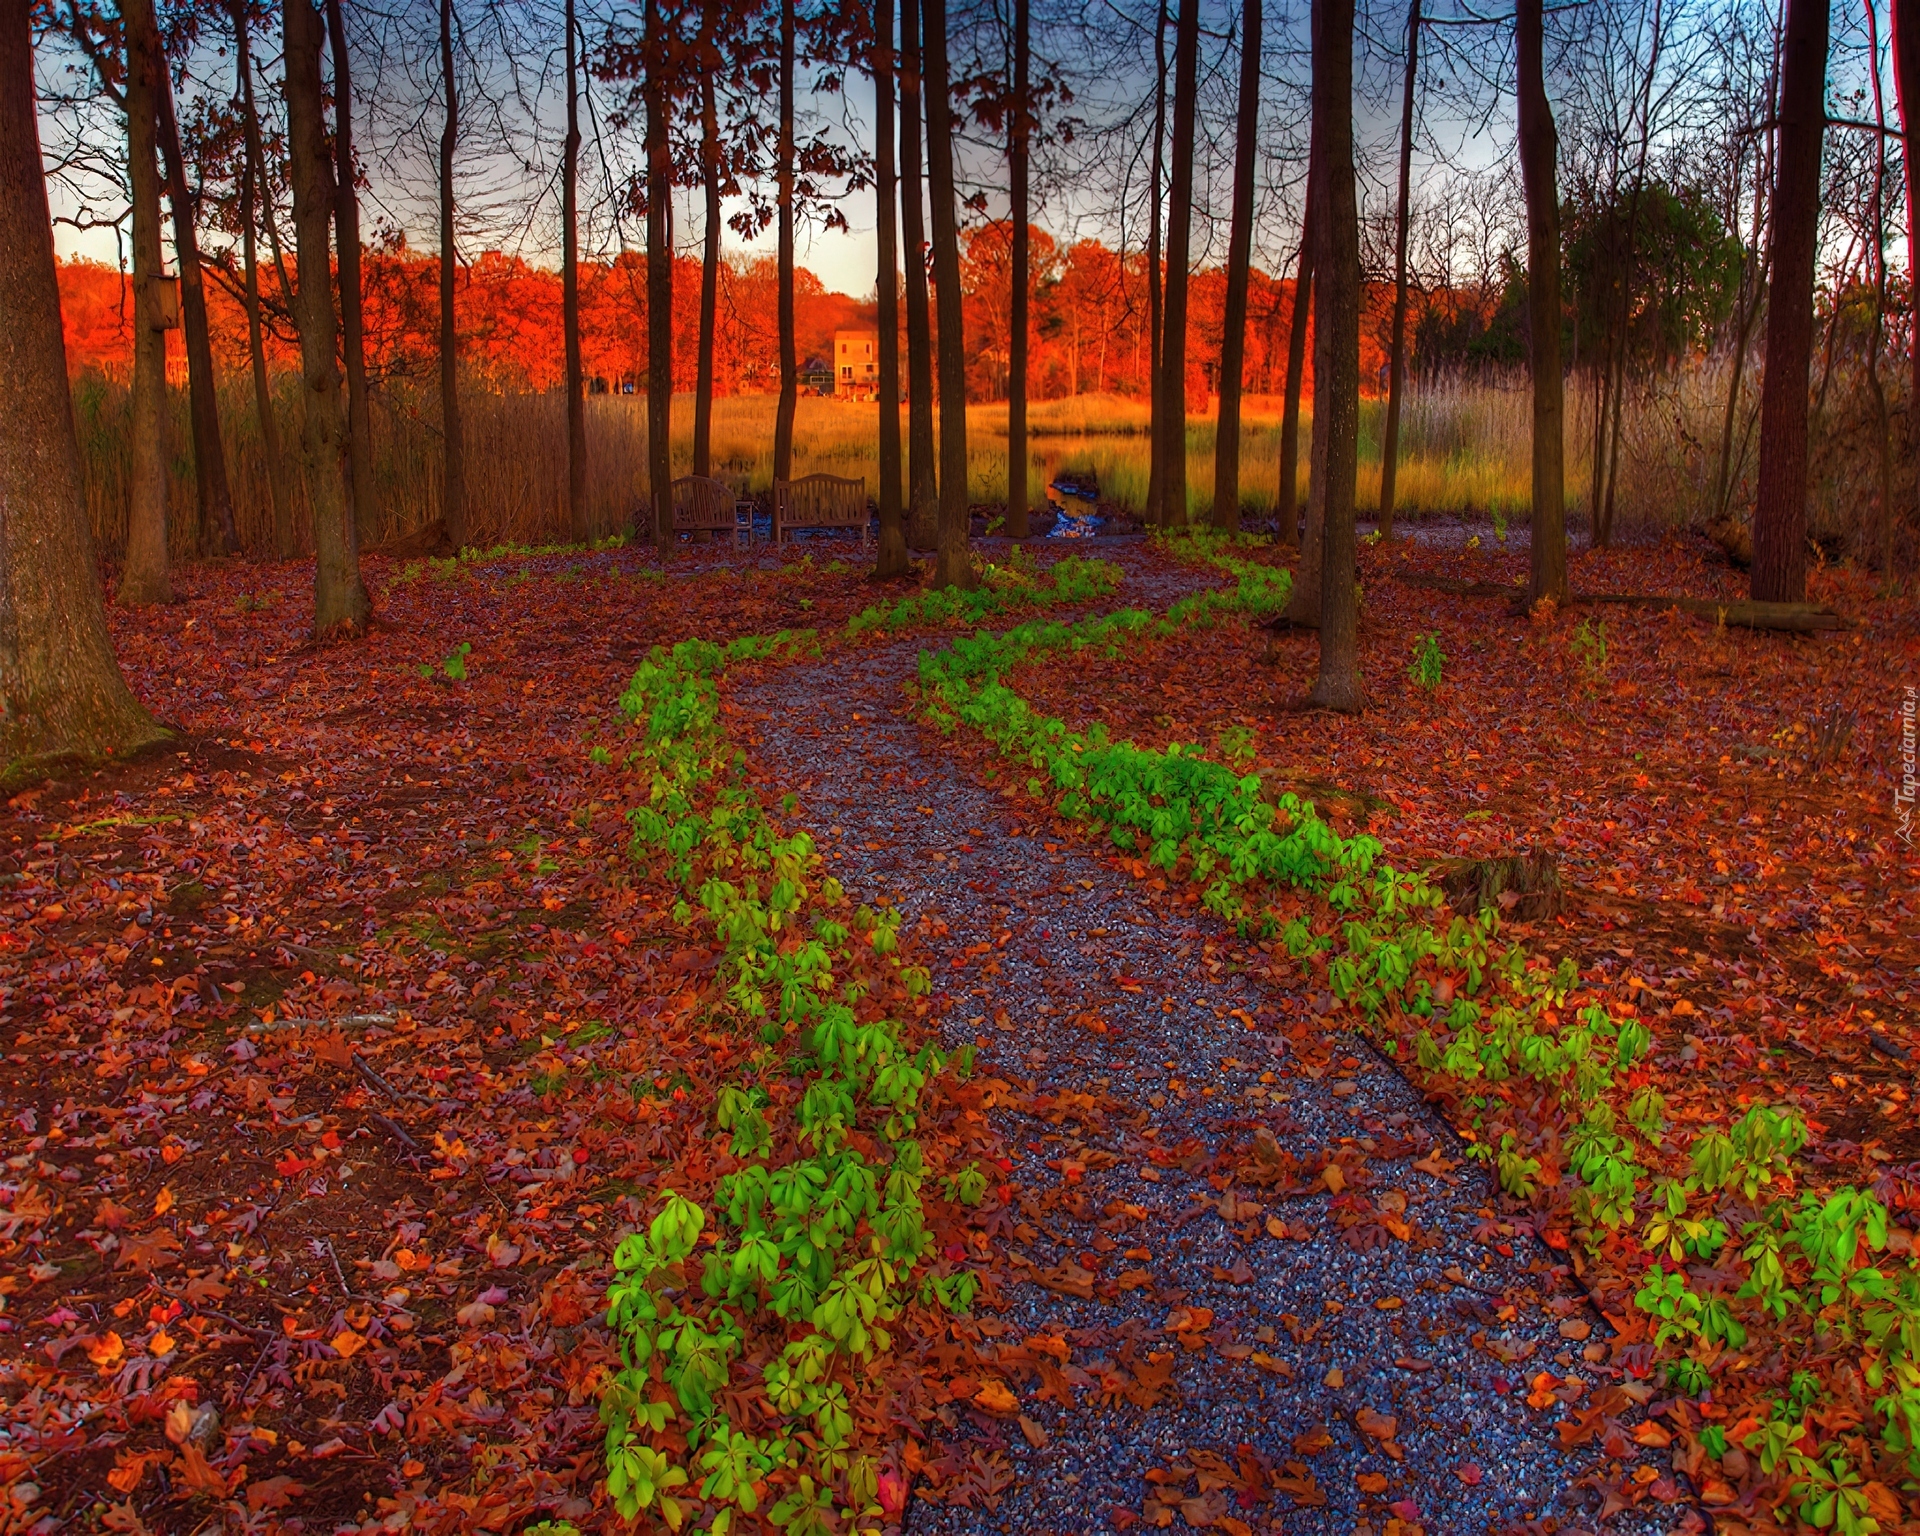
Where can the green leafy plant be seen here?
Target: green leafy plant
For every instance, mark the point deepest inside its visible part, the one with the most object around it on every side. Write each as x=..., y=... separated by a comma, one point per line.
x=454, y=668
x=1427, y=661
x=1589, y=647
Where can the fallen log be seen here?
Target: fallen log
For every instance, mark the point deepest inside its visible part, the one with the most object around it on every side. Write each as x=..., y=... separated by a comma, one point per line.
x=1794, y=618
x=1742, y=613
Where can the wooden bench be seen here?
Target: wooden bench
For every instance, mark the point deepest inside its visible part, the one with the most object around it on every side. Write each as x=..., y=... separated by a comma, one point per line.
x=820, y=501
x=703, y=503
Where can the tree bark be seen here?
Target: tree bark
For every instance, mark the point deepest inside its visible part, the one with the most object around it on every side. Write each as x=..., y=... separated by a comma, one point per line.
x=1233, y=338
x=1020, y=128
x=784, y=176
x=340, y=602
x=923, y=483
x=1336, y=391
x=1156, y=307
x=1287, y=502
x=252, y=189
x=891, y=557
x=215, y=495
x=61, y=692
x=953, y=566
x=660, y=279
x=1397, y=346
x=144, y=576
x=1903, y=43
x=710, y=250
x=579, y=521
x=1173, y=351
x=1780, y=509
x=1539, y=152
x=346, y=219
x=453, y=492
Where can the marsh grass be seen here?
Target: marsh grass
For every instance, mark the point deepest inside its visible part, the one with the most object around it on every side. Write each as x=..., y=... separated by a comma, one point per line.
x=1464, y=451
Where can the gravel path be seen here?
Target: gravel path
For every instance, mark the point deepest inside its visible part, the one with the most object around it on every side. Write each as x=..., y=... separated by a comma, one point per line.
x=1166, y=1123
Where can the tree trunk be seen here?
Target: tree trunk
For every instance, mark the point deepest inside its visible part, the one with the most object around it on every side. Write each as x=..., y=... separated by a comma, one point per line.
x=346, y=218
x=1780, y=509
x=579, y=521
x=1173, y=351
x=340, y=603
x=710, y=251
x=1336, y=391
x=784, y=174
x=1156, y=308
x=1303, y=607
x=1233, y=339
x=1903, y=43
x=1020, y=124
x=61, y=692
x=1877, y=338
x=660, y=280
x=891, y=557
x=1287, y=502
x=923, y=484
x=143, y=576
x=252, y=188
x=216, y=531
x=453, y=493
x=1397, y=346
x=1539, y=152
x=953, y=567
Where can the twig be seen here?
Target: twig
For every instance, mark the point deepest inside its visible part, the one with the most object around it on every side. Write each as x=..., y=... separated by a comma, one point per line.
x=394, y=1128
x=373, y=1077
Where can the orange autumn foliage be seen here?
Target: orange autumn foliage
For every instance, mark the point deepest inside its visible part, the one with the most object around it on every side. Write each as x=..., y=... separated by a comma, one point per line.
x=1089, y=322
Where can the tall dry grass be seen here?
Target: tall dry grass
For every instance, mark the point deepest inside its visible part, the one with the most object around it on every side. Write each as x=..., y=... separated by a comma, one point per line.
x=1465, y=448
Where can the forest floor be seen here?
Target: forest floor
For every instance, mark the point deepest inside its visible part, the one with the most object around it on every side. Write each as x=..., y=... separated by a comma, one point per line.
x=347, y=1035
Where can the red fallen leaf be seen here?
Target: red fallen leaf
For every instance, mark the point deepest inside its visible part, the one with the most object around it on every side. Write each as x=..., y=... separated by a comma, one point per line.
x=112, y=1217
x=148, y=1251
x=273, y=1493
x=291, y=1165
x=1469, y=1473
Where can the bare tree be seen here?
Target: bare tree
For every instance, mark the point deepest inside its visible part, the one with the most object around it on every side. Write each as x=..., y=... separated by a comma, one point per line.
x=891, y=557
x=215, y=497
x=660, y=279
x=1156, y=298
x=953, y=566
x=346, y=218
x=1171, y=427
x=1397, y=346
x=340, y=602
x=784, y=176
x=144, y=577
x=1539, y=152
x=61, y=692
x=1233, y=339
x=1019, y=136
x=252, y=189
x=1780, y=510
x=1336, y=388
x=923, y=493
x=453, y=493
x=577, y=518
x=1286, y=503
x=1904, y=45
x=713, y=191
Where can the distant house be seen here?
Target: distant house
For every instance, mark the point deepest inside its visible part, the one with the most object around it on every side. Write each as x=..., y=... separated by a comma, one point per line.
x=856, y=365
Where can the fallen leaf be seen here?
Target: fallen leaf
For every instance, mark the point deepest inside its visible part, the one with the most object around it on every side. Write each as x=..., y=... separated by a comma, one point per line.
x=1035, y=1435
x=995, y=1397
